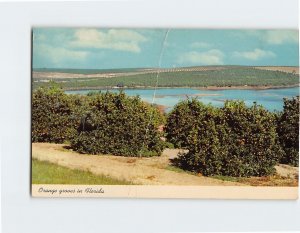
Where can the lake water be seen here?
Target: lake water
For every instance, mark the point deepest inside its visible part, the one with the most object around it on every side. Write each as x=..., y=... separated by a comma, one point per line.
x=272, y=99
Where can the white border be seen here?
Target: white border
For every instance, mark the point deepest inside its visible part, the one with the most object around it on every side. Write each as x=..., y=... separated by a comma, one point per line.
x=21, y=213
x=166, y=191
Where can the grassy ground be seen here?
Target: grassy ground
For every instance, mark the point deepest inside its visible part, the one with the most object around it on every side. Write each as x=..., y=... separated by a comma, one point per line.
x=147, y=171
x=179, y=170
x=48, y=173
x=141, y=171
x=274, y=180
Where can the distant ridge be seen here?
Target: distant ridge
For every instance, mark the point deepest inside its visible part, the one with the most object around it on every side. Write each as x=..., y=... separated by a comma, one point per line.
x=288, y=69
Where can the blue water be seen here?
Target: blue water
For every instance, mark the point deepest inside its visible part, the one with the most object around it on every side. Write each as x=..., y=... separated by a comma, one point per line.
x=272, y=99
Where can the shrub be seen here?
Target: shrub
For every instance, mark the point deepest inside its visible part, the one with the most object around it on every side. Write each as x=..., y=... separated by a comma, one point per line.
x=182, y=120
x=234, y=140
x=52, y=115
x=119, y=125
x=288, y=131
x=206, y=143
x=252, y=138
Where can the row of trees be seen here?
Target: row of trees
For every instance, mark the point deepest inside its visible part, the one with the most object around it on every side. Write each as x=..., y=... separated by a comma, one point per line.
x=230, y=76
x=234, y=140
x=98, y=123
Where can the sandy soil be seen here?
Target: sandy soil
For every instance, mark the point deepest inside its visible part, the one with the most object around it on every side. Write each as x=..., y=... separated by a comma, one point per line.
x=148, y=171
x=287, y=171
x=287, y=69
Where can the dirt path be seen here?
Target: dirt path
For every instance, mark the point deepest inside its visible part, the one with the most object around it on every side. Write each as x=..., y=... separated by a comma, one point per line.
x=148, y=171
x=287, y=171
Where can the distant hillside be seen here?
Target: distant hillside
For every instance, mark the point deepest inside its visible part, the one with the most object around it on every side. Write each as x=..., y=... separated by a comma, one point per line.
x=204, y=76
x=84, y=71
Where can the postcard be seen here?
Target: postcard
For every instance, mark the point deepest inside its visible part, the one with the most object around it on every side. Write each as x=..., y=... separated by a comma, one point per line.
x=165, y=113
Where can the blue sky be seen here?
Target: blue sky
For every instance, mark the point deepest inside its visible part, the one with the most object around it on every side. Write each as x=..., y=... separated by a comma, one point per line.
x=92, y=48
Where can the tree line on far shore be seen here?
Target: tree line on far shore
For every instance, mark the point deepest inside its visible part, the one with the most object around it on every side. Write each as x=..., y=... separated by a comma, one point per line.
x=229, y=76
x=233, y=140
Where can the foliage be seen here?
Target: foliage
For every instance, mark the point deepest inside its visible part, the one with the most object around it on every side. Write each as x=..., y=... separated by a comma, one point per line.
x=252, y=138
x=288, y=131
x=120, y=125
x=52, y=115
x=182, y=120
x=234, y=140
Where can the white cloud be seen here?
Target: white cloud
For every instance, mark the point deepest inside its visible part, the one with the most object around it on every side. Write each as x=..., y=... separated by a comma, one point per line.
x=256, y=54
x=200, y=44
x=273, y=37
x=58, y=54
x=280, y=36
x=38, y=37
x=211, y=57
x=116, y=39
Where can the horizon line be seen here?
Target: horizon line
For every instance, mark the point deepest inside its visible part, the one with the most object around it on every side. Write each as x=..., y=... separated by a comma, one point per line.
x=179, y=67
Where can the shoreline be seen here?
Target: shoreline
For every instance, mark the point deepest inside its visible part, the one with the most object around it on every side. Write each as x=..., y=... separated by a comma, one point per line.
x=208, y=88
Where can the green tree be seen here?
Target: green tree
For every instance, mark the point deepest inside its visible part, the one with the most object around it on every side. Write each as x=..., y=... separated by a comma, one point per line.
x=52, y=115
x=288, y=131
x=234, y=140
x=119, y=125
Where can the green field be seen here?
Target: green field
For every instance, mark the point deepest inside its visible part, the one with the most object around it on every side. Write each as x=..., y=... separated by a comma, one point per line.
x=233, y=76
x=48, y=173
